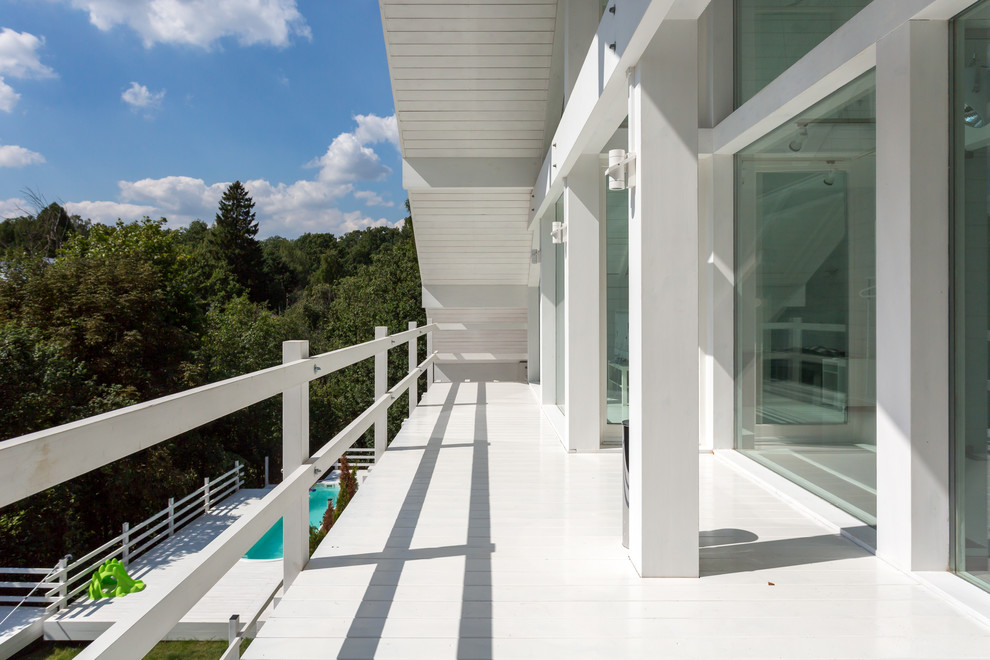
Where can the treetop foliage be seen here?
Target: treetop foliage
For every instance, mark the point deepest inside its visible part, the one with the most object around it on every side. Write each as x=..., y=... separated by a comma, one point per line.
x=123, y=313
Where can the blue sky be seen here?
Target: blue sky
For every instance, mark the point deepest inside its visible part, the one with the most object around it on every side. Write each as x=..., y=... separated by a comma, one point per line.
x=125, y=108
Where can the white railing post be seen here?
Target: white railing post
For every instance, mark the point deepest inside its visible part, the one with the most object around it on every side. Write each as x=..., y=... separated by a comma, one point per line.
x=295, y=449
x=381, y=386
x=206, y=494
x=171, y=517
x=429, y=352
x=125, y=538
x=266, y=472
x=237, y=475
x=62, y=587
x=414, y=388
x=233, y=630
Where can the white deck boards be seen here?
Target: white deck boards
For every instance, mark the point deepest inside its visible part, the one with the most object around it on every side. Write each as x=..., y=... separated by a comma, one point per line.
x=477, y=536
x=20, y=628
x=243, y=590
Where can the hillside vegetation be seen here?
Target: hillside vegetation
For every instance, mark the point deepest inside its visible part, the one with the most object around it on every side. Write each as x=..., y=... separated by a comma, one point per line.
x=96, y=317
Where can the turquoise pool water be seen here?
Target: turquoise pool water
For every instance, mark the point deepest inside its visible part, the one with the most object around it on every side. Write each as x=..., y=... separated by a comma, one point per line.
x=269, y=546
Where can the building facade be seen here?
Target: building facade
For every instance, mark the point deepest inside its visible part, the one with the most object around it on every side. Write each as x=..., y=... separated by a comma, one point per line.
x=753, y=227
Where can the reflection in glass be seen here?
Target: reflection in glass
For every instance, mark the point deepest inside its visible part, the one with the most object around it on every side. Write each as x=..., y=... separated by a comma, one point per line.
x=617, y=305
x=971, y=375
x=559, y=254
x=805, y=299
x=771, y=35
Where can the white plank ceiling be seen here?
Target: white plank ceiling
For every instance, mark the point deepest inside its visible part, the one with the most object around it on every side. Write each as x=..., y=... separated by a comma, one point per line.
x=472, y=237
x=471, y=79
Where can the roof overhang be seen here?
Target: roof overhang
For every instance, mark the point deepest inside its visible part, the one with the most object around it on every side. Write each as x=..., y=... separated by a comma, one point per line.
x=478, y=93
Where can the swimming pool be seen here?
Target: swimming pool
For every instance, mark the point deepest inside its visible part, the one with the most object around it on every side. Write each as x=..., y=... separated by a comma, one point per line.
x=269, y=546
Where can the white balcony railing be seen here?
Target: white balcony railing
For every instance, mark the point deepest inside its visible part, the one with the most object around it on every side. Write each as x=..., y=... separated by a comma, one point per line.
x=35, y=462
x=70, y=577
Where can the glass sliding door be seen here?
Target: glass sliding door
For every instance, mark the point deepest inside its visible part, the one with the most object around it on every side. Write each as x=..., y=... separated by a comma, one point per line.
x=805, y=299
x=559, y=317
x=616, y=305
x=970, y=121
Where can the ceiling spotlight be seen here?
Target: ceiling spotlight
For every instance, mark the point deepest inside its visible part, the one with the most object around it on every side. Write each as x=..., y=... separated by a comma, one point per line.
x=830, y=175
x=798, y=143
x=972, y=118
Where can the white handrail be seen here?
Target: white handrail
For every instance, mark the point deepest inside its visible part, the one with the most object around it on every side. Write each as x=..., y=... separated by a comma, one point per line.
x=82, y=568
x=136, y=633
x=37, y=461
x=40, y=460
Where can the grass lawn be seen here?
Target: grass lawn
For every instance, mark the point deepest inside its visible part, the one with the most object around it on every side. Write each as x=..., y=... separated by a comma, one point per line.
x=163, y=651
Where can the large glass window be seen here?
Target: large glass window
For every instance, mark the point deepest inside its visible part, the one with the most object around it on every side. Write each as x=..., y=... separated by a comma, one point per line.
x=771, y=35
x=617, y=305
x=971, y=180
x=805, y=299
x=559, y=318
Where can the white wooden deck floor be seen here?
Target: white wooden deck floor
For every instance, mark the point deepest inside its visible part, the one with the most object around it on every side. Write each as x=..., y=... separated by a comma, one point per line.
x=243, y=590
x=477, y=536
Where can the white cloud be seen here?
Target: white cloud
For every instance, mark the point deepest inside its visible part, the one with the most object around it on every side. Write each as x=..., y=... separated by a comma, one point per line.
x=19, y=59
x=371, y=198
x=372, y=129
x=201, y=23
x=287, y=209
x=349, y=158
x=19, y=55
x=8, y=97
x=109, y=212
x=14, y=156
x=138, y=96
x=179, y=198
x=13, y=208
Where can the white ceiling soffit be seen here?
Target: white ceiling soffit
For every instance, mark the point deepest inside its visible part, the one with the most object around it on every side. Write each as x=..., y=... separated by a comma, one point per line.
x=470, y=77
x=472, y=237
x=472, y=85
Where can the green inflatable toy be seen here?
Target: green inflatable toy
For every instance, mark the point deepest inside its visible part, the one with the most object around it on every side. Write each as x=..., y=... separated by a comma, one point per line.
x=111, y=579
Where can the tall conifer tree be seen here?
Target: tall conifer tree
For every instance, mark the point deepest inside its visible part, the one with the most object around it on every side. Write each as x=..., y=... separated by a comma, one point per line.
x=232, y=239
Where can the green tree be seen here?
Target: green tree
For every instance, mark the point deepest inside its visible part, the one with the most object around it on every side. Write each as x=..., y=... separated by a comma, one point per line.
x=42, y=234
x=117, y=300
x=232, y=240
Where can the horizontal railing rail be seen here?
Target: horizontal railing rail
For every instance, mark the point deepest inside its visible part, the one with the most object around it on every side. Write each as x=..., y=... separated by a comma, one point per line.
x=156, y=618
x=34, y=462
x=37, y=461
x=69, y=580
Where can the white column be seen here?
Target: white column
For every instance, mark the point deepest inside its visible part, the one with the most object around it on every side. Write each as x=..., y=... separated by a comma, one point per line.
x=381, y=386
x=295, y=449
x=718, y=301
x=548, y=298
x=429, y=352
x=717, y=211
x=414, y=388
x=533, y=333
x=582, y=277
x=913, y=521
x=663, y=306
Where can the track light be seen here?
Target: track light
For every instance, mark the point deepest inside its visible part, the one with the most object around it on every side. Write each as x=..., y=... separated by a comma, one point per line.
x=830, y=175
x=798, y=143
x=972, y=118
x=621, y=170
